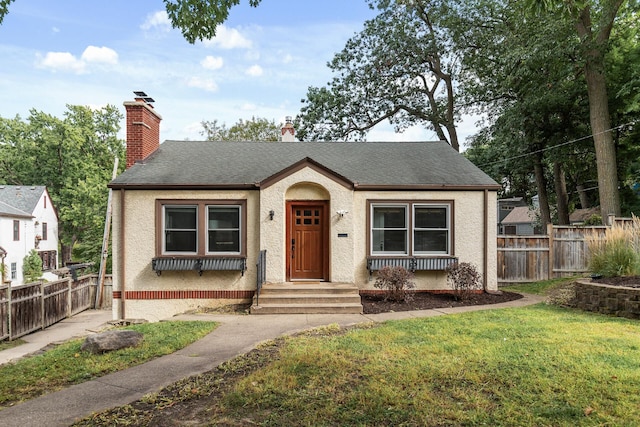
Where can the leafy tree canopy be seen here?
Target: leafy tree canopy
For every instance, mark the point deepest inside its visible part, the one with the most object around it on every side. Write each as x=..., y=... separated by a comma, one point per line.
x=198, y=19
x=254, y=129
x=73, y=157
x=4, y=8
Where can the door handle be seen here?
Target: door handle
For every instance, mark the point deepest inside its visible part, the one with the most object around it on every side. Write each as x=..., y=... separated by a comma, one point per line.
x=293, y=248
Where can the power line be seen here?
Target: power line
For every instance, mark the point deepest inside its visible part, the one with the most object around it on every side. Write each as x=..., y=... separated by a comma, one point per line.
x=556, y=146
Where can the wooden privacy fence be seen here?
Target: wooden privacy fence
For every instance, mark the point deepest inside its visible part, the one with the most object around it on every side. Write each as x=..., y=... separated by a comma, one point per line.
x=562, y=252
x=34, y=306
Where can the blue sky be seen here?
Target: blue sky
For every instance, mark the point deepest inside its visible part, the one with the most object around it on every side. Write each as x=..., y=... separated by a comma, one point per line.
x=95, y=53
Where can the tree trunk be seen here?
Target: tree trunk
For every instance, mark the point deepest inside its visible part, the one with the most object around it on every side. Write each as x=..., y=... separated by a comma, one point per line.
x=561, y=194
x=594, y=44
x=65, y=252
x=603, y=140
x=543, y=198
x=584, y=197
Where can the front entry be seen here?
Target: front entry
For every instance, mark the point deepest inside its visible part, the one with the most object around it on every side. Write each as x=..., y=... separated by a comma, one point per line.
x=308, y=240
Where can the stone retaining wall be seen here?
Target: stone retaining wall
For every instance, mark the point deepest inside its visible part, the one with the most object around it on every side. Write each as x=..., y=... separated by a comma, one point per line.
x=615, y=300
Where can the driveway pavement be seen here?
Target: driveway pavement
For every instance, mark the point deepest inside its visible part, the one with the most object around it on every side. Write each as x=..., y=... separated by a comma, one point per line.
x=237, y=334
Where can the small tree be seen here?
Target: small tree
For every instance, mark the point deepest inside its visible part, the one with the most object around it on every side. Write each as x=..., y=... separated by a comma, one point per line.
x=32, y=267
x=395, y=282
x=464, y=279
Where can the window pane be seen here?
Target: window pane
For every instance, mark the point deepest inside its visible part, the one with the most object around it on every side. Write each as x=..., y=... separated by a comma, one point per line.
x=180, y=241
x=180, y=217
x=224, y=241
x=223, y=217
x=430, y=217
x=390, y=241
x=180, y=229
x=431, y=241
x=224, y=229
x=389, y=217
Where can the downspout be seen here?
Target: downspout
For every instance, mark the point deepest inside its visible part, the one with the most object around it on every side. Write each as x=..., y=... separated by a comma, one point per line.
x=485, y=226
x=121, y=256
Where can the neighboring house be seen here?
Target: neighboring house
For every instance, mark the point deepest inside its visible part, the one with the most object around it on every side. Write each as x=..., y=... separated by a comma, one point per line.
x=580, y=216
x=505, y=206
x=190, y=218
x=521, y=221
x=28, y=220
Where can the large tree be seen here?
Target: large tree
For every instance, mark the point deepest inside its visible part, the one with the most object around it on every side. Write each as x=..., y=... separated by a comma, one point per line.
x=73, y=157
x=398, y=68
x=4, y=8
x=594, y=20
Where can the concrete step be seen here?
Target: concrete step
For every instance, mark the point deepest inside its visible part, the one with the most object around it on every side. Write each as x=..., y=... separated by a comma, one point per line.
x=350, y=308
x=308, y=298
x=293, y=298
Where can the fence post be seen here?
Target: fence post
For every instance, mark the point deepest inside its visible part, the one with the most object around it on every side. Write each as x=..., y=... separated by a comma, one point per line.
x=551, y=257
x=69, y=299
x=42, y=322
x=9, y=315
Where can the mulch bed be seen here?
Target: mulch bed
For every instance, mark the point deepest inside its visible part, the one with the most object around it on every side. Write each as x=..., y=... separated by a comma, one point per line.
x=426, y=301
x=628, y=281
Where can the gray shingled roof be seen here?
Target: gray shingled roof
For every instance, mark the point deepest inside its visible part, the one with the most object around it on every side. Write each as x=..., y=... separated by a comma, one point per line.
x=19, y=200
x=202, y=163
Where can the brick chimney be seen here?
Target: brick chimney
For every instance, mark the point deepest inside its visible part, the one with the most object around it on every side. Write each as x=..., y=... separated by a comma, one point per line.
x=143, y=128
x=288, y=132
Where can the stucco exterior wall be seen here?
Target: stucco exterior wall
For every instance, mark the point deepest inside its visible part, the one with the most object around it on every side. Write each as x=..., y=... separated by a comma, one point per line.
x=140, y=247
x=307, y=184
x=347, y=239
x=468, y=227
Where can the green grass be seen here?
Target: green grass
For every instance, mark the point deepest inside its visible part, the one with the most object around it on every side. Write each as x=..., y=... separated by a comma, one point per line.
x=543, y=287
x=5, y=345
x=66, y=364
x=534, y=366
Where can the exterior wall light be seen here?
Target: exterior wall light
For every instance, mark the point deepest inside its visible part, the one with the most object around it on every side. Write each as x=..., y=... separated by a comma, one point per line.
x=342, y=212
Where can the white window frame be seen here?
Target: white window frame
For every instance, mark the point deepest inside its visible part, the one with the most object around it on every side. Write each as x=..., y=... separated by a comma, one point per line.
x=447, y=228
x=378, y=252
x=239, y=229
x=164, y=229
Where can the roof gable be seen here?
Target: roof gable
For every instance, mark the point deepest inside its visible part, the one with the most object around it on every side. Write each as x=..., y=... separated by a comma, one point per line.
x=22, y=200
x=210, y=165
x=520, y=215
x=306, y=163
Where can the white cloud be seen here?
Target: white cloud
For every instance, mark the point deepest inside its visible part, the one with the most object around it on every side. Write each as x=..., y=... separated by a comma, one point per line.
x=62, y=61
x=55, y=30
x=254, y=71
x=200, y=83
x=66, y=61
x=159, y=20
x=287, y=59
x=228, y=38
x=249, y=107
x=212, y=62
x=100, y=54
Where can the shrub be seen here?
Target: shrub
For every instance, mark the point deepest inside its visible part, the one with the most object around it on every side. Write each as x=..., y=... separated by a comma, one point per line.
x=31, y=267
x=464, y=279
x=396, y=282
x=615, y=253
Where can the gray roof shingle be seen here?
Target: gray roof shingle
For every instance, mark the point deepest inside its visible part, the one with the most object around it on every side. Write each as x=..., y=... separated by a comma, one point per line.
x=19, y=200
x=401, y=164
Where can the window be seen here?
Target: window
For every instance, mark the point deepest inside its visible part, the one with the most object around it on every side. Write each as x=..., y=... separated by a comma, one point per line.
x=45, y=231
x=223, y=229
x=180, y=229
x=14, y=270
x=410, y=228
x=202, y=227
x=48, y=260
x=16, y=230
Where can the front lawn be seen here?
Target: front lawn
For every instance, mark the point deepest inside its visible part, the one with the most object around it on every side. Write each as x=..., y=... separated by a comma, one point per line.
x=65, y=364
x=533, y=366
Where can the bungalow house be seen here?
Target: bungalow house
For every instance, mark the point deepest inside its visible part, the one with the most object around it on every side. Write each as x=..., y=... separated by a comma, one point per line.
x=28, y=220
x=521, y=221
x=201, y=223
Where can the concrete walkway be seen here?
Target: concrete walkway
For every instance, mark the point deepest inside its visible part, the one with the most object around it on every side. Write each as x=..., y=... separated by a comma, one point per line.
x=237, y=334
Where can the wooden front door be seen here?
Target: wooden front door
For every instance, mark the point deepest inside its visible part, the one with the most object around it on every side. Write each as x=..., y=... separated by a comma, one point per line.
x=307, y=240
